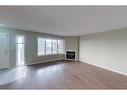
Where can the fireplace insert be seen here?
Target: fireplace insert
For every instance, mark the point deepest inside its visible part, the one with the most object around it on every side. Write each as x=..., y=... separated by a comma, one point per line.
x=70, y=54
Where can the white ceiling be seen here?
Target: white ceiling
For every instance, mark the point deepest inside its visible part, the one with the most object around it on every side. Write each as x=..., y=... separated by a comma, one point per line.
x=64, y=20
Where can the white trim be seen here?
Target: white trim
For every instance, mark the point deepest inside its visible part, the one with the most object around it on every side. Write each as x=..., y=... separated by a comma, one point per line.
x=8, y=50
x=106, y=68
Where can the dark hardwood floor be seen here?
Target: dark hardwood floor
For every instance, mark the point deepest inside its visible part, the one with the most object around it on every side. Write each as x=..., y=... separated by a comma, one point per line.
x=68, y=75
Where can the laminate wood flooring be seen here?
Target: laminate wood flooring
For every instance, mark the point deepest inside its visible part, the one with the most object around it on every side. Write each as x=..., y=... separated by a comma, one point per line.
x=68, y=75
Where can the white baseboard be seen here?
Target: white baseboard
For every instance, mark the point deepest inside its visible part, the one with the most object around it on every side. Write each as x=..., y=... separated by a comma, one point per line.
x=106, y=68
x=44, y=61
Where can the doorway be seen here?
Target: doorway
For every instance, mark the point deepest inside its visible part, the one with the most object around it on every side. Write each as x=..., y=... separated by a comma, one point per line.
x=20, y=55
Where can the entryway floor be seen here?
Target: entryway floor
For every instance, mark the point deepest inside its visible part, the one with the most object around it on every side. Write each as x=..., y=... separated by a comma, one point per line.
x=12, y=74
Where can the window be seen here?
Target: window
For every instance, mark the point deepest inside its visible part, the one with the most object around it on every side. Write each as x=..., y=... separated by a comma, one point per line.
x=20, y=50
x=48, y=46
x=60, y=46
x=54, y=46
x=41, y=46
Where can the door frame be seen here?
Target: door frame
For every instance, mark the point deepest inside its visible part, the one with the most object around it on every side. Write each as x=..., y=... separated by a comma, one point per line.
x=19, y=34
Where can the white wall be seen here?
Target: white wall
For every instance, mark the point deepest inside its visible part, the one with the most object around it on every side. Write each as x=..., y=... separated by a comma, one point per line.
x=107, y=50
x=30, y=46
x=72, y=43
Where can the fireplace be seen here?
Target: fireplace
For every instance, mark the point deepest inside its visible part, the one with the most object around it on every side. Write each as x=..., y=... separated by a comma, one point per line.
x=70, y=55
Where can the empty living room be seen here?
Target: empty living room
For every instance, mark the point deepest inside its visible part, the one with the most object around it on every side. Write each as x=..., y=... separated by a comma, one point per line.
x=63, y=47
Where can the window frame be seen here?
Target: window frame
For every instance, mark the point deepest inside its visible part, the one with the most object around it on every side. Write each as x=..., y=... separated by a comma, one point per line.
x=56, y=46
x=38, y=47
x=46, y=45
x=63, y=46
x=51, y=38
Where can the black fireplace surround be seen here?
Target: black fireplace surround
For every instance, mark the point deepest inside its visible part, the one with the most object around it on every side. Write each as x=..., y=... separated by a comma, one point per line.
x=70, y=54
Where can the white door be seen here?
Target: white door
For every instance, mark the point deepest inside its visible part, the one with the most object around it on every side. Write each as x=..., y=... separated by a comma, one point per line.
x=4, y=50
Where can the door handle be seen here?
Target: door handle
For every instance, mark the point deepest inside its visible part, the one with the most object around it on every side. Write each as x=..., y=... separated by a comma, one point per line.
x=5, y=51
